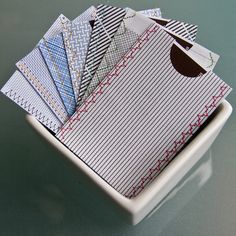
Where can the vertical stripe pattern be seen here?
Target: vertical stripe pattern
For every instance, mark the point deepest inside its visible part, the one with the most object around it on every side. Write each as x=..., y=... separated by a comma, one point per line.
x=19, y=90
x=107, y=21
x=138, y=114
x=54, y=53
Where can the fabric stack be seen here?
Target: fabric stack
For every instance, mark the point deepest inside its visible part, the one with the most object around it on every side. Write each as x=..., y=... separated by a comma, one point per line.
x=123, y=90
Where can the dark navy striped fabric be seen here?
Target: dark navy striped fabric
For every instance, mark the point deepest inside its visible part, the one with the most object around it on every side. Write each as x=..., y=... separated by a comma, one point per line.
x=185, y=30
x=107, y=21
x=121, y=43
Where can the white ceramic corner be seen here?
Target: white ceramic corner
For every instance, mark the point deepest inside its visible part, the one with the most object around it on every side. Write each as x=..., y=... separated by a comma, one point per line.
x=137, y=208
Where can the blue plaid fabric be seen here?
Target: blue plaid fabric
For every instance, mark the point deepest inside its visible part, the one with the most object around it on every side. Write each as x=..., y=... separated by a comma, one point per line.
x=54, y=53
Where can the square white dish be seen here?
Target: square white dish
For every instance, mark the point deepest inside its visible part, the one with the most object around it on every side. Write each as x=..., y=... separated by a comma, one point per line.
x=137, y=208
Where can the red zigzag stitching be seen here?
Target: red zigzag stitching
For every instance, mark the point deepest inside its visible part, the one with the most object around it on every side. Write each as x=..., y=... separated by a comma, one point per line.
x=177, y=144
x=168, y=153
x=99, y=91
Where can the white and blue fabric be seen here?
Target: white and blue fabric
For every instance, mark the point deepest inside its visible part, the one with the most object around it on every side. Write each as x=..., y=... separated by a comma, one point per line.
x=19, y=90
x=155, y=12
x=54, y=53
x=33, y=67
x=76, y=37
x=107, y=21
x=88, y=15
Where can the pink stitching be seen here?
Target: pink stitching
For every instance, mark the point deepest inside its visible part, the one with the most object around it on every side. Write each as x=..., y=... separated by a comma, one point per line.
x=99, y=91
x=160, y=163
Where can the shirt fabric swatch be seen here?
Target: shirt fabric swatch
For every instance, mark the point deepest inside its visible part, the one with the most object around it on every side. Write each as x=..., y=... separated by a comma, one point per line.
x=33, y=67
x=21, y=92
x=122, y=132
x=106, y=23
x=54, y=53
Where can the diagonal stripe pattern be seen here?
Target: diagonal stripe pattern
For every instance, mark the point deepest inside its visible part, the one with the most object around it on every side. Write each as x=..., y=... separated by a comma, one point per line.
x=122, y=41
x=55, y=28
x=106, y=23
x=54, y=53
x=185, y=30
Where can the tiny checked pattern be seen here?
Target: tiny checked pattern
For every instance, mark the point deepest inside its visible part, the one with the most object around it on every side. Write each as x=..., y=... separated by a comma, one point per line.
x=107, y=21
x=55, y=28
x=121, y=43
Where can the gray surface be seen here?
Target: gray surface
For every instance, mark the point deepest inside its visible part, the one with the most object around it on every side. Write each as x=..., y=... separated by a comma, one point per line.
x=42, y=194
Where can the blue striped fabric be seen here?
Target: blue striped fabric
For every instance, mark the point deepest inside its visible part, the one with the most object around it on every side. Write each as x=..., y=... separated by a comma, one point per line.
x=54, y=53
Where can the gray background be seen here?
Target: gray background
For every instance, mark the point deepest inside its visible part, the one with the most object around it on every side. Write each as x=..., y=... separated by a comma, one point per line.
x=42, y=194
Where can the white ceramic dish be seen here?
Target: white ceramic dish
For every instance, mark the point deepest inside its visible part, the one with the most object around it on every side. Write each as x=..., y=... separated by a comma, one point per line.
x=137, y=208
